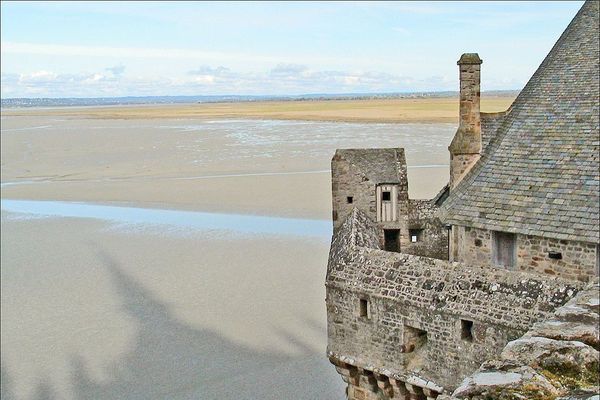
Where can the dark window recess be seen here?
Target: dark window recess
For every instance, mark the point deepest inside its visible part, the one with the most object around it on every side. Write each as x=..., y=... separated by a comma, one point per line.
x=555, y=255
x=504, y=251
x=416, y=235
x=466, y=330
x=364, y=308
x=390, y=238
x=414, y=339
x=597, y=259
x=478, y=242
x=386, y=196
x=349, y=199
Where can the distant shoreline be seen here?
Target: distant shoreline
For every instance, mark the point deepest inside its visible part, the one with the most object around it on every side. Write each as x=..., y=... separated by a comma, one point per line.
x=31, y=102
x=388, y=110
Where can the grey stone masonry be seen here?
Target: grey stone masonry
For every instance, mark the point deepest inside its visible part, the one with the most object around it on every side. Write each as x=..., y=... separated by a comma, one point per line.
x=406, y=316
x=564, y=258
x=466, y=145
x=355, y=176
x=432, y=237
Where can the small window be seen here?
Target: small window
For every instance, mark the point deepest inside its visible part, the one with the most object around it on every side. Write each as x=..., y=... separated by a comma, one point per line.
x=349, y=199
x=386, y=196
x=364, y=308
x=504, y=251
x=555, y=255
x=414, y=339
x=466, y=330
x=416, y=235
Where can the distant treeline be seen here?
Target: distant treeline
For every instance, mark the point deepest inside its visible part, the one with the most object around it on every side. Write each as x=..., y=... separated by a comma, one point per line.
x=114, y=101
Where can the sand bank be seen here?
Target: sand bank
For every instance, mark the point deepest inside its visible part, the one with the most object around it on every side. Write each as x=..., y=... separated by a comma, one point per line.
x=406, y=110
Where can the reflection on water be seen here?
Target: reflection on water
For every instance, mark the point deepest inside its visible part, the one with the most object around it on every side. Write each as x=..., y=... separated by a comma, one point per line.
x=180, y=219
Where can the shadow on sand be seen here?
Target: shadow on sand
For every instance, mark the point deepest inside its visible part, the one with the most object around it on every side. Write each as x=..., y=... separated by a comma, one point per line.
x=171, y=360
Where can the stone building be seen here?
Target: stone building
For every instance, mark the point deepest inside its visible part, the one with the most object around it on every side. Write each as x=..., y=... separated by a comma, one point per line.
x=420, y=293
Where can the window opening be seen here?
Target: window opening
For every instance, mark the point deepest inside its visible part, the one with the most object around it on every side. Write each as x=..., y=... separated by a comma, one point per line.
x=466, y=330
x=504, y=251
x=555, y=255
x=416, y=235
x=391, y=240
x=350, y=199
x=414, y=339
x=386, y=196
x=364, y=308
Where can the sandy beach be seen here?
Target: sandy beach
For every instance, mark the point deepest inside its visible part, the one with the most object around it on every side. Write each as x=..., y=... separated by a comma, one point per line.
x=101, y=305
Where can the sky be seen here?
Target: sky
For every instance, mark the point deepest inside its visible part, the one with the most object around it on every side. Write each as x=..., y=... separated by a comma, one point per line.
x=100, y=49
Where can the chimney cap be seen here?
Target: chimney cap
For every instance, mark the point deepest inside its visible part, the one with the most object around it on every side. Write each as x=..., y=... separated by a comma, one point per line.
x=469, y=58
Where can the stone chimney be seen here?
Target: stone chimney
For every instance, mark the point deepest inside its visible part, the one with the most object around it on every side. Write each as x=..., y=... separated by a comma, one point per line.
x=465, y=148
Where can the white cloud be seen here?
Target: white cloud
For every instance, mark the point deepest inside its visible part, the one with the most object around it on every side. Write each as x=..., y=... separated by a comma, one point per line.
x=117, y=70
x=210, y=79
x=288, y=70
x=208, y=70
x=221, y=80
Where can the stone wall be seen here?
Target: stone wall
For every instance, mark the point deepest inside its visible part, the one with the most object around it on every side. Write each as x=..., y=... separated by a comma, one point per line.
x=347, y=181
x=460, y=164
x=433, y=237
x=578, y=259
x=424, y=319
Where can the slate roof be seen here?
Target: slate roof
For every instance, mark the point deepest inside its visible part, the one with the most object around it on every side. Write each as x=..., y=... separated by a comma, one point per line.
x=540, y=173
x=378, y=165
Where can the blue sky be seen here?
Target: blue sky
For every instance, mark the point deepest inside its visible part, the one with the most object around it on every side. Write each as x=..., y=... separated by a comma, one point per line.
x=93, y=49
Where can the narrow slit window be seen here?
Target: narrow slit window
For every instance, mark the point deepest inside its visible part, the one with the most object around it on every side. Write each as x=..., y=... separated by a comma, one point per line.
x=386, y=196
x=364, y=308
x=349, y=199
x=466, y=330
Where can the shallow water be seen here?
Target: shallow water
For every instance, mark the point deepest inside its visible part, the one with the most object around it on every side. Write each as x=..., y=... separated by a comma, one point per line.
x=174, y=218
x=424, y=144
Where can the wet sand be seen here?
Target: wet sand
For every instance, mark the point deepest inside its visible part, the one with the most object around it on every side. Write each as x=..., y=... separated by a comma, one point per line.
x=248, y=166
x=97, y=308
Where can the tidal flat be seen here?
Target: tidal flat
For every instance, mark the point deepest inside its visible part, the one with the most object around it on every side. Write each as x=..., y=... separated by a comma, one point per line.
x=132, y=266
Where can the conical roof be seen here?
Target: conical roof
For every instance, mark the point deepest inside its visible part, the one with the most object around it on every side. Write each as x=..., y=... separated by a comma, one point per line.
x=540, y=175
